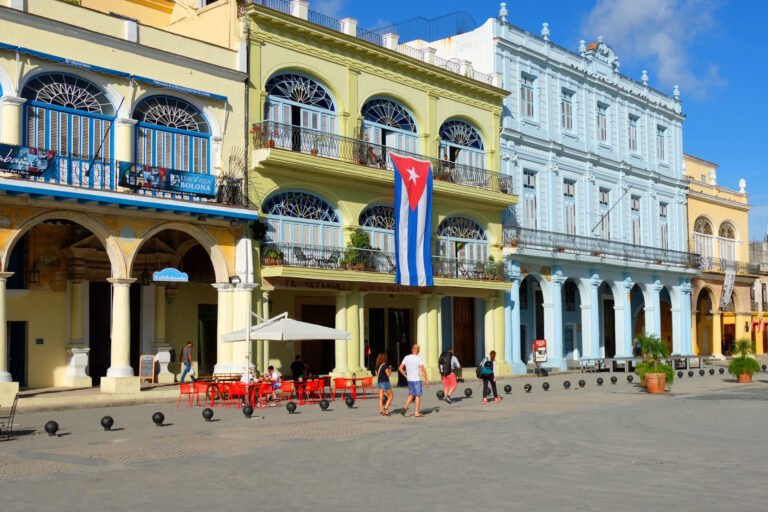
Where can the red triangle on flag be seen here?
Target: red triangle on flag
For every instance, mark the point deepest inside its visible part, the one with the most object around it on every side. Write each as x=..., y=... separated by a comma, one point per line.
x=414, y=174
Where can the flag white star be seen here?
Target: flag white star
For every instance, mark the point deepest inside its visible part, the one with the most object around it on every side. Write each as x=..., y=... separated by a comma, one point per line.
x=412, y=174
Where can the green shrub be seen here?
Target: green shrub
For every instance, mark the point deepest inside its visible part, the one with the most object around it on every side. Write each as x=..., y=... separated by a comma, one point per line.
x=654, y=351
x=744, y=363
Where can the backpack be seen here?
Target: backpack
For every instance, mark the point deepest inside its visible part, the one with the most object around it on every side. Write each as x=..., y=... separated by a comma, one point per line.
x=444, y=363
x=485, y=369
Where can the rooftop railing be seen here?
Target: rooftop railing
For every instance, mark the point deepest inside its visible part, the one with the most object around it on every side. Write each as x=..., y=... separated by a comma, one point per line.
x=574, y=244
x=371, y=260
x=268, y=134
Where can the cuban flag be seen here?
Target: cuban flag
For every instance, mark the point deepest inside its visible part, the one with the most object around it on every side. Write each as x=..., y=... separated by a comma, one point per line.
x=413, y=221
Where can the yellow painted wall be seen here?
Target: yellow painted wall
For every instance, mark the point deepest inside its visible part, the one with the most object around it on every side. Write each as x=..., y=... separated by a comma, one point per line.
x=181, y=313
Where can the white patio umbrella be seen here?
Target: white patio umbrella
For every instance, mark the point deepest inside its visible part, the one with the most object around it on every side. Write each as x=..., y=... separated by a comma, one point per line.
x=282, y=328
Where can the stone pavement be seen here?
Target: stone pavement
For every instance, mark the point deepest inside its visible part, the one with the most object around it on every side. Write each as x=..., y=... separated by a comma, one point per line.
x=605, y=448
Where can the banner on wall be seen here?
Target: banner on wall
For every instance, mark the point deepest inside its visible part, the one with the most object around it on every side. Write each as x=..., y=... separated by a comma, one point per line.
x=145, y=177
x=26, y=161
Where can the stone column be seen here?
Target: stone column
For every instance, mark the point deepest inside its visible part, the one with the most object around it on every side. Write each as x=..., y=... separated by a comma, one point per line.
x=488, y=336
x=422, y=327
x=512, y=331
x=590, y=317
x=433, y=351
x=8, y=388
x=124, y=134
x=555, y=357
x=242, y=302
x=224, y=301
x=688, y=328
x=159, y=344
x=499, y=331
x=265, y=343
x=361, y=322
x=120, y=377
x=341, y=369
x=77, y=363
x=652, y=308
x=10, y=130
x=353, y=326
x=717, y=332
x=623, y=318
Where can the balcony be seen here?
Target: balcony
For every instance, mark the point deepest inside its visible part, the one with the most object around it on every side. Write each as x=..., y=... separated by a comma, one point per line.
x=707, y=264
x=371, y=260
x=525, y=238
x=268, y=134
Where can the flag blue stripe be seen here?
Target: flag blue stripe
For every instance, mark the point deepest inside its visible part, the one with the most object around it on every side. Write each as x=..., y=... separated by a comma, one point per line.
x=398, y=198
x=413, y=226
x=428, y=233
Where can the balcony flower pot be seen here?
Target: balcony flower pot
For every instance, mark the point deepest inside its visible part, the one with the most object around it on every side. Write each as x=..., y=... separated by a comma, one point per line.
x=597, y=253
x=656, y=383
x=513, y=242
x=271, y=143
x=561, y=249
x=743, y=365
x=313, y=152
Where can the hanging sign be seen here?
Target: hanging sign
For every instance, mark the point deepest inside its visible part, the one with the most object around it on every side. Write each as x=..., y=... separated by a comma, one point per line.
x=170, y=275
x=25, y=161
x=144, y=177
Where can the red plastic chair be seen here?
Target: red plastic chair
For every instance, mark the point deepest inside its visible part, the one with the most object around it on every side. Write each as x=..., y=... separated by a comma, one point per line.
x=202, y=388
x=287, y=390
x=340, y=383
x=236, y=392
x=264, y=392
x=189, y=390
x=366, y=383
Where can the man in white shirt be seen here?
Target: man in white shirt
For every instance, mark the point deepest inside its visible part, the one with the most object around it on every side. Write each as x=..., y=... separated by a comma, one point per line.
x=412, y=368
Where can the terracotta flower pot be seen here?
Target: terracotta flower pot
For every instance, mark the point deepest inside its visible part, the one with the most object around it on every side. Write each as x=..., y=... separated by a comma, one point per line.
x=656, y=382
x=745, y=378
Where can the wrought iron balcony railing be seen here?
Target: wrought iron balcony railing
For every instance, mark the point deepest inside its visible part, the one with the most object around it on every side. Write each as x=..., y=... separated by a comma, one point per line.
x=707, y=263
x=371, y=260
x=268, y=134
x=565, y=243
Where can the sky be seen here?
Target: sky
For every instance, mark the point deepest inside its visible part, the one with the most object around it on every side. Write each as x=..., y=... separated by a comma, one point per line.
x=711, y=48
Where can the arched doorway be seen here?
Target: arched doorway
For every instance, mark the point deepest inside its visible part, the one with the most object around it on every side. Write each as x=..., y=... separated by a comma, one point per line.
x=531, y=315
x=704, y=312
x=572, y=332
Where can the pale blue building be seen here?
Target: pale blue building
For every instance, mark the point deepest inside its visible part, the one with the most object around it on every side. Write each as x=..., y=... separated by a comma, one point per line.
x=596, y=246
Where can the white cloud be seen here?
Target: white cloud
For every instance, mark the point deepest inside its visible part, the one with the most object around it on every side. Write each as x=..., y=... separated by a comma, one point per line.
x=333, y=8
x=662, y=32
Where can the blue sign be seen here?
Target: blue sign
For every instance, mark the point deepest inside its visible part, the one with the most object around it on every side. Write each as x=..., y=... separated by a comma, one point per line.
x=144, y=177
x=26, y=161
x=170, y=275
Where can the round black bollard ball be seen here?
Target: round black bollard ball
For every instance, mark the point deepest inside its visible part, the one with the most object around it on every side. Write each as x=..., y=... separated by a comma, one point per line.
x=702, y=372
x=107, y=423
x=291, y=406
x=599, y=381
x=630, y=379
x=51, y=427
x=690, y=373
x=247, y=410
x=324, y=404
x=468, y=392
x=528, y=388
x=567, y=384
x=507, y=389
x=711, y=371
x=208, y=413
x=764, y=367
x=614, y=380
x=545, y=386
x=440, y=394
x=582, y=383
x=679, y=375
x=349, y=401
x=158, y=418
x=721, y=370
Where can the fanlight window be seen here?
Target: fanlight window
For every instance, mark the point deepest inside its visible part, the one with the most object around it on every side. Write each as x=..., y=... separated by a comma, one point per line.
x=461, y=134
x=68, y=91
x=303, y=219
x=388, y=113
x=171, y=133
x=702, y=226
x=300, y=89
x=379, y=223
x=727, y=231
x=461, y=227
x=462, y=238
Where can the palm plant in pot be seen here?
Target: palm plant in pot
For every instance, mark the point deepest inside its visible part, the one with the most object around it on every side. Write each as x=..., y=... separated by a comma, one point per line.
x=744, y=365
x=653, y=370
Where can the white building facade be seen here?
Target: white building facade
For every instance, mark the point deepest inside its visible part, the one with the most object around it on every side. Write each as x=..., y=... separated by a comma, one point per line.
x=595, y=248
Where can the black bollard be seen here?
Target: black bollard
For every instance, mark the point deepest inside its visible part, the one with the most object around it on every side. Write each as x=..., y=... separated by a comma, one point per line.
x=567, y=384
x=582, y=383
x=528, y=388
x=702, y=372
x=291, y=406
x=349, y=401
x=630, y=378
x=721, y=370
x=507, y=389
x=679, y=375
x=208, y=414
x=711, y=371
x=468, y=392
x=248, y=411
x=51, y=427
x=107, y=423
x=545, y=386
x=614, y=380
x=690, y=373
x=599, y=381
x=324, y=404
x=440, y=394
x=158, y=418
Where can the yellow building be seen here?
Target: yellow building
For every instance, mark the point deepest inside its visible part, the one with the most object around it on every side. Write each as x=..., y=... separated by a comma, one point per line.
x=122, y=155
x=328, y=103
x=718, y=223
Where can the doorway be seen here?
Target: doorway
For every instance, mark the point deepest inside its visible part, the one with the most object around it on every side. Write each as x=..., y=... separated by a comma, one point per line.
x=376, y=333
x=609, y=328
x=17, y=352
x=99, y=313
x=318, y=356
x=464, y=329
x=207, y=323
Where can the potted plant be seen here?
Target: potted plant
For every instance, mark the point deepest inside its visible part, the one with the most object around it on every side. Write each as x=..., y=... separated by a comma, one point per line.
x=657, y=374
x=318, y=141
x=743, y=365
x=257, y=135
x=358, y=255
x=272, y=256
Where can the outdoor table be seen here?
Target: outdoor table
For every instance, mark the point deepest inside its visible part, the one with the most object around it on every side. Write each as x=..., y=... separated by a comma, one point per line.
x=352, y=381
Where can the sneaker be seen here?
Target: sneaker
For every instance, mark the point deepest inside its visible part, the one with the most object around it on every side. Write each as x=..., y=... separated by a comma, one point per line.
x=448, y=399
x=497, y=399
x=402, y=412
x=485, y=400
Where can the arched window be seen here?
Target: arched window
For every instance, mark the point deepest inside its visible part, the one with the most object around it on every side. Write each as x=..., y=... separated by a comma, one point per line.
x=298, y=101
x=379, y=222
x=302, y=218
x=460, y=142
x=172, y=133
x=390, y=125
x=462, y=238
x=703, y=240
x=727, y=240
x=71, y=116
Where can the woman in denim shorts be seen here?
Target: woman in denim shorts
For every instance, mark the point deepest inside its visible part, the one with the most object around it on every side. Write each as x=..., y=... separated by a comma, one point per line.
x=385, y=388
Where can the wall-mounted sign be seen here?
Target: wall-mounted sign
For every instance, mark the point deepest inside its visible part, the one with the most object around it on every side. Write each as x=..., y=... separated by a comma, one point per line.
x=144, y=177
x=170, y=275
x=25, y=161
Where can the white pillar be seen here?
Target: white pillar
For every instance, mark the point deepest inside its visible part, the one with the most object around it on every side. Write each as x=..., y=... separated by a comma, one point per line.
x=5, y=375
x=10, y=130
x=422, y=327
x=512, y=326
x=652, y=301
x=682, y=329
x=488, y=332
x=341, y=369
x=223, y=325
x=353, y=326
x=361, y=322
x=623, y=308
x=555, y=357
x=242, y=303
x=265, y=315
x=590, y=317
x=120, y=377
x=77, y=360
